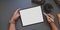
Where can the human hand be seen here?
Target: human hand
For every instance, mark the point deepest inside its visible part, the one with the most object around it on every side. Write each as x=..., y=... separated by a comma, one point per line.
x=58, y=15
x=15, y=16
x=51, y=19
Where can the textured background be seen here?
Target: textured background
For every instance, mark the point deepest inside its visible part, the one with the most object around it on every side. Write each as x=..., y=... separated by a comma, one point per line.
x=7, y=7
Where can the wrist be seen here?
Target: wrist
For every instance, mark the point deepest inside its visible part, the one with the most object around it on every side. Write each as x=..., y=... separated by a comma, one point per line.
x=12, y=21
x=52, y=23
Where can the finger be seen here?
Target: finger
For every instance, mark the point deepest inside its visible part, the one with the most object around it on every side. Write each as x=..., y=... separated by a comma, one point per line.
x=18, y=9
x=47, y=18
x=52, y=19
x=51, y=16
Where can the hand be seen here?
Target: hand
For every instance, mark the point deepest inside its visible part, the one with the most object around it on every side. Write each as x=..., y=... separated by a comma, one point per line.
x=58, y=15
x=51, y=19
x=15, y=15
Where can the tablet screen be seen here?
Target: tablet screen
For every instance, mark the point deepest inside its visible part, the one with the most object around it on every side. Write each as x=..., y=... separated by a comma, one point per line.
x=31, y=15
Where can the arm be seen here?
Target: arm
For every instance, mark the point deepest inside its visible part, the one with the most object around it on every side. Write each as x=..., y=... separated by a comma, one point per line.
x=54, y=27
x=58, y=18
x=51, y=22
x=13, y=20
x=12, y=26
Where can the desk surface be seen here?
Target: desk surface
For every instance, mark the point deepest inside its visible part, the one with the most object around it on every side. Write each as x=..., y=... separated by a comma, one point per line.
x=7, y=7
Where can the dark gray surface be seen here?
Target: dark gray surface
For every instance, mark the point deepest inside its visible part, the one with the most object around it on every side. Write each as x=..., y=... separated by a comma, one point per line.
x=7, y=7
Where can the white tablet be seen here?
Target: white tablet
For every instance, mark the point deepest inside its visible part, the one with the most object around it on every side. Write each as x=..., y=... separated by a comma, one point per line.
x=31, y=15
